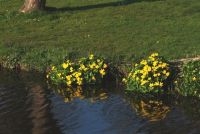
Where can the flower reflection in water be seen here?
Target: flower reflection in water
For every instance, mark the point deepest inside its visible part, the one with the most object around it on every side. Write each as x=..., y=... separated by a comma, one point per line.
x=89, y=93
x=151, y=109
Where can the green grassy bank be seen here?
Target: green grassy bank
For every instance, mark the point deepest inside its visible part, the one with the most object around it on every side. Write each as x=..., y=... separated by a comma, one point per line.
x=121, y=30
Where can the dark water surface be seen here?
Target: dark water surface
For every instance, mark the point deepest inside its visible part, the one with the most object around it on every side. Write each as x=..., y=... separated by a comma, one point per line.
x=29, y=106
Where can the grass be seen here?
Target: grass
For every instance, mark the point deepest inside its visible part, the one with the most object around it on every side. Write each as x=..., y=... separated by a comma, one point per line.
x=117, y=29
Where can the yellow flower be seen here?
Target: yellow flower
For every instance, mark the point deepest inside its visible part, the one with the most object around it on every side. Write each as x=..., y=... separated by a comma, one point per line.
x=167, y=74
x=163, y=65
x=143, y=82
x=155, y=63
x=105, y=65
x=68, y=77
x=143, y=76
x=91, y=56
x=92, y=65
x=68, y=62
x=149, y=78
x=164, y=71
x=141, y=71
x=102, y=72
x=79, y=82
x=71, y=69
x=124, y=80
x=194, y=78
x=133, y=76
x=151, y=85
x=143, y=62
x=79, y=78
x=160, y=84
x=154, y=54
x=69, y=83
x=154, y=68
x=147, y=68
x=64, y=65
x=96, y=66
x=155, y=75
x=156, y=84
x=59, y=74
x=98, y=60
x=130, y=74
x=85, y=69
x=93, y=78
x=53, y=68
x=77, y=74
x=82, y=67
x=151, y=58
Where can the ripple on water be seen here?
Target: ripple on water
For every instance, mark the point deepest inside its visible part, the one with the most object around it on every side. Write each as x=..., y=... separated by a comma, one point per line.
x=28, y=106
x=109, y=116
x=24, y=106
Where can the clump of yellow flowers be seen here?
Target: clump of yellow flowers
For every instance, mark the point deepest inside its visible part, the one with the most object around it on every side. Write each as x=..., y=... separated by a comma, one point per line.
x=189, y=82
x=149, y=75
x=89, y=70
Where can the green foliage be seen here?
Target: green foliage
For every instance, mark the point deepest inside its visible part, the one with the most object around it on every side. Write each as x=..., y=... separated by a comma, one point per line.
x=31, y=58
x=149, y=75
x=104, y=27
x=189, y=82
x=90, y=70
x=93, y=68
x=112, y=28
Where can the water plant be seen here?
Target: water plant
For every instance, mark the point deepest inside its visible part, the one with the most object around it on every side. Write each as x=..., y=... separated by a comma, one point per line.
x=149, y=75
x=93, y=68
x=87, y=70
x=189, y=82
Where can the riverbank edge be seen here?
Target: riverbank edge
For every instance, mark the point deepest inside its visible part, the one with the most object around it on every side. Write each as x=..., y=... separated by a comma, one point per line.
x=119, y=70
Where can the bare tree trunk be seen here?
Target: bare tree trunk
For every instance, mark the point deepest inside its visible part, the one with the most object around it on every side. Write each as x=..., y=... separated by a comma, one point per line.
x=31, y=5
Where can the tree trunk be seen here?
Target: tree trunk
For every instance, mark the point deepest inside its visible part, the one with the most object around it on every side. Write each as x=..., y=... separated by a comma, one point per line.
x=32, y=5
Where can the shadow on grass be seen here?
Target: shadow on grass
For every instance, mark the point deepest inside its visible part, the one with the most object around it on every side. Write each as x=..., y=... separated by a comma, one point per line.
x=102, y=5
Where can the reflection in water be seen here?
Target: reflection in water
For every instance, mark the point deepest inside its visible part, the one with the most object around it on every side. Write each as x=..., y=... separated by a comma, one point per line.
x=85, y=112
x=153, y=110
x=24, y=105
x=28, y=106
x=39, y=112
x=92, y=94
x=99, y=112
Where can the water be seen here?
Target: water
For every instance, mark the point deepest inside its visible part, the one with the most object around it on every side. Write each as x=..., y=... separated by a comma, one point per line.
x=29, y=106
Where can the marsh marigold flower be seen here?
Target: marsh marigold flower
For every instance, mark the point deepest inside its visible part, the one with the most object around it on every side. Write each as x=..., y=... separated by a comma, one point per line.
x=102, y=72
x=149, y=74
x=64, y=65
x=105, y=65
x=194, y=78
x=91, y=56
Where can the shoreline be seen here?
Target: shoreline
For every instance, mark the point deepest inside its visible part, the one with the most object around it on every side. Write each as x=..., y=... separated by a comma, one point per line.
x=122, y=68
